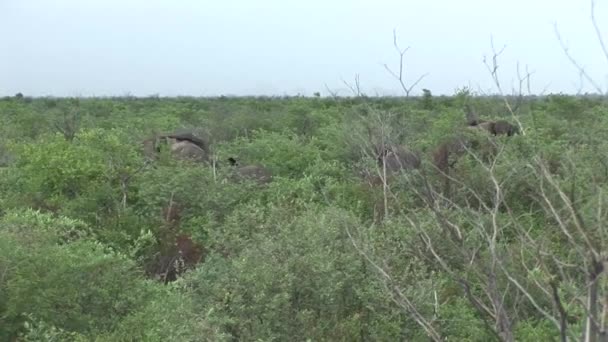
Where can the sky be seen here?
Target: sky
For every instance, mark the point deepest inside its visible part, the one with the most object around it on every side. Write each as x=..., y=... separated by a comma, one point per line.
x=286, y=47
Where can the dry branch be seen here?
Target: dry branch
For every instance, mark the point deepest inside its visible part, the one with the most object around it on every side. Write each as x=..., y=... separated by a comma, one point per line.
x=574, y=62
x=399, y=75
x=493, y=69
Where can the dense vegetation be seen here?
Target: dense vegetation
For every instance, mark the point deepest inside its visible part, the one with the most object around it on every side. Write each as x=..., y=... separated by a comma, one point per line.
x=330, y=249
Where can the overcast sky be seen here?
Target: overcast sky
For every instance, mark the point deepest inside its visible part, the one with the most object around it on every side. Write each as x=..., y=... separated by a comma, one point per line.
x=267, y=47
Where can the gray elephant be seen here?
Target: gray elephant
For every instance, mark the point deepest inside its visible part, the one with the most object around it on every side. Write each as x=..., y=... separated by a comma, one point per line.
x=184, y=146
x=393, y=158
x=448, y=152
x=254, y=172
x=498, y=127
x=396, y=158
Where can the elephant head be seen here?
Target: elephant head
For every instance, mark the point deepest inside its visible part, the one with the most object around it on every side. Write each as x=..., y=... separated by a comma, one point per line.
x=502, y=127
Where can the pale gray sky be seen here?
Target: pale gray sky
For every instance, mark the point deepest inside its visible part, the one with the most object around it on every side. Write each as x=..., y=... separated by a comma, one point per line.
x=205, y=47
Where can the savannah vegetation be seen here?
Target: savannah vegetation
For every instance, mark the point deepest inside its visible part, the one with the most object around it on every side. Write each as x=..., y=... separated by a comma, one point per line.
x=468, y=217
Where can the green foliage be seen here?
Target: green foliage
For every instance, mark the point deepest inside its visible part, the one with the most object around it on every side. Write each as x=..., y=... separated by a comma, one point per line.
x=77, y=287
x=86, y=282
x=37, y=330
x=302, y=272
x=170, y=316
x=427, y=99
x=303, y=256
x=286, y=154
x=536, y=330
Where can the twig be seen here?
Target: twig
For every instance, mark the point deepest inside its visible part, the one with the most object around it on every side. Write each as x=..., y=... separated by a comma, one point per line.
x=598, y=32
x=580, y=68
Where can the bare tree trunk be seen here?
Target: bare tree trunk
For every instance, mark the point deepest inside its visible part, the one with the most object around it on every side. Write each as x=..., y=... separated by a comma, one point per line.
x=603, y=334
x=503, y=323
x=591, y=327
x=384, y=187
x=563, y=317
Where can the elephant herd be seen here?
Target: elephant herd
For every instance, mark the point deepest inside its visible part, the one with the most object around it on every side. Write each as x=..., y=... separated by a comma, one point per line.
x=391, y=158
x=180, y=251
x=396, y=158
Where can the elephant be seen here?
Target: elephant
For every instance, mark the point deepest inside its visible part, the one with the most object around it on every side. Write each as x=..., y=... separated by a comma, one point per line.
x=190, y=137
x=396, y=158
x=177, y=253
x=392, y=158
x=447, y=153
x=500, y=127
x=176, y=250
x=255, y=172
x=184, y=146
x=451, y=150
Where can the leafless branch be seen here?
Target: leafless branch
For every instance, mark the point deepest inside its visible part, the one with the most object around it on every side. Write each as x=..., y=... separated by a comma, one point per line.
x=598, y=32
x=332, y=93
x=580, y=68
x=354, y=88
x=524, y=80
x=399, y=75
x=493, y=69
x=397, y=294
x=563, y=317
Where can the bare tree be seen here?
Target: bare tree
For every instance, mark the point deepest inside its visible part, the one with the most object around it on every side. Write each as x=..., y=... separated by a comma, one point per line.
x=575, y=277
x=372, y=140
x=399, y=75
x=356, y=87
